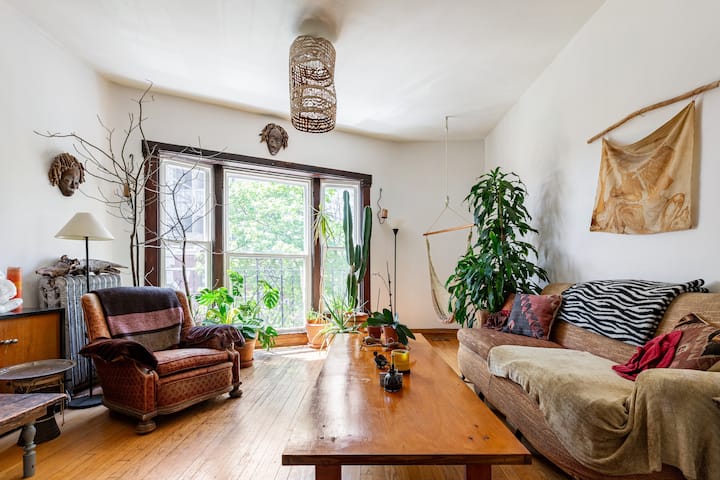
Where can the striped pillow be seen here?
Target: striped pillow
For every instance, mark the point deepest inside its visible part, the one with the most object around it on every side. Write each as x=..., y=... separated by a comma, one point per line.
x=625, y=310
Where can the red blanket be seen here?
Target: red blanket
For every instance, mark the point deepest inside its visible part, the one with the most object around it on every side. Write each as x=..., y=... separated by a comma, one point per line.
x=657, y=353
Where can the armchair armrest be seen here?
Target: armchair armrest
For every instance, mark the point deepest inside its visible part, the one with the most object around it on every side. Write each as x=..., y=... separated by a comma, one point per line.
x=113, y=349
x=218, y=337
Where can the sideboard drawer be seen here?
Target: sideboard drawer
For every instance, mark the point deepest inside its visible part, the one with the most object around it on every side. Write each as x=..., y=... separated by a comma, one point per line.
x=29, y=336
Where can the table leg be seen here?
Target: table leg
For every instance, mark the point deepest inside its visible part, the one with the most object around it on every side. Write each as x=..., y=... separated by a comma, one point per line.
x=328, y=472
x=477, y=471
x=28, y=436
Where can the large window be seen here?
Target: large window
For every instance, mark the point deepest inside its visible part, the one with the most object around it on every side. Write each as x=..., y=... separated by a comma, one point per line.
x=217, y=212
x=267, y=237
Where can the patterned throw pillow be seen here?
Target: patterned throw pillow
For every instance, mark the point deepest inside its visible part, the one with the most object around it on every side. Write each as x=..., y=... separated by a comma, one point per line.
x=699, y=347
x=625, y=310
x=532, y=315
x=497, y=320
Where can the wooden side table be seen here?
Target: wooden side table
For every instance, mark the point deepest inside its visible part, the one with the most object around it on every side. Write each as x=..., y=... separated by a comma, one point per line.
x=34, y=376
x=21, y=410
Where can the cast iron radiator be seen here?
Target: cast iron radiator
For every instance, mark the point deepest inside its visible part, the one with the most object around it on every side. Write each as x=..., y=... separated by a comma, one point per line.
x=65, y=292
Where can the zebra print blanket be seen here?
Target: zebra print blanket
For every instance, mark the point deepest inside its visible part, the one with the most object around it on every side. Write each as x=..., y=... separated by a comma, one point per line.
x=625, y=310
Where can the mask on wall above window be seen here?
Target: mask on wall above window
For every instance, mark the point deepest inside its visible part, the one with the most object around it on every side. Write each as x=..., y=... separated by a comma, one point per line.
x=275, y=136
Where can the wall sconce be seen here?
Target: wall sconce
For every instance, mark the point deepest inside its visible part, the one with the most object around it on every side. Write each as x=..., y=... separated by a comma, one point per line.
x=382, y=213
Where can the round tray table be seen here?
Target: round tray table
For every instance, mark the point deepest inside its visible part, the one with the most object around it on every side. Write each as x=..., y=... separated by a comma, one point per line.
x=31, y=377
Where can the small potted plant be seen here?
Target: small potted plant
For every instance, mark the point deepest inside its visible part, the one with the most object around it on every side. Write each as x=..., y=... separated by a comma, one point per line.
x=392, y=329
x=315, y=322
x=225, y=307
x=338, y=317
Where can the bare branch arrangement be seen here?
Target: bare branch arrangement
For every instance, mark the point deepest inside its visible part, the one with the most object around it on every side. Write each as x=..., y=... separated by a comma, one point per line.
x=127, y=175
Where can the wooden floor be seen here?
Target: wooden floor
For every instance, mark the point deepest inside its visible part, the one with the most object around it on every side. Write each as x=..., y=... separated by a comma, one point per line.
x=222, y=439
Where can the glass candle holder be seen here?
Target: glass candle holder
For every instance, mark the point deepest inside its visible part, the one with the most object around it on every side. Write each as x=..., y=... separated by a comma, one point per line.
x=14, y=274
x=401, y=359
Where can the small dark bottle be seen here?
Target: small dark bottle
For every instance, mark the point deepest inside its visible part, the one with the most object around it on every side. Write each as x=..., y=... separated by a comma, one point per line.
x=393, y=380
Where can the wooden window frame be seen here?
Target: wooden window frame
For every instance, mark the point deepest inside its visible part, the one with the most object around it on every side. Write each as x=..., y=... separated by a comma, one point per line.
x=219, y=160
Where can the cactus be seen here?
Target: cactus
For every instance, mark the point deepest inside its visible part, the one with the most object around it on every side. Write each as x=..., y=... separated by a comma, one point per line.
x=356, y=255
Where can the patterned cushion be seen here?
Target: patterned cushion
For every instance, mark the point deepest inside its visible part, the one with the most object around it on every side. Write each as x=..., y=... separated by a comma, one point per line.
x=625, y=310
x=699, y=347
x=497, y=320
x=532, y=315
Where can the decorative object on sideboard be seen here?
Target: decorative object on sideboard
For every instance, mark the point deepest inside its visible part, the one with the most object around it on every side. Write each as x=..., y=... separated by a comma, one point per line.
x=8, y=295
x=84, y=226
x=275, y=136
x=313, y=103
x=67, y=173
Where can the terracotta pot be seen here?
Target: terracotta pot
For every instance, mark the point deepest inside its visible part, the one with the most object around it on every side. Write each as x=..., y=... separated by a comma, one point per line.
x=389, y=333
x=246, y=353
x=315, y=338
x=358, y=318
x=374, y=331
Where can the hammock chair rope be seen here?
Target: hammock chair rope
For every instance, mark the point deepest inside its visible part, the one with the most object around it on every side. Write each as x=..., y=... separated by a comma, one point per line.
x=440, y=296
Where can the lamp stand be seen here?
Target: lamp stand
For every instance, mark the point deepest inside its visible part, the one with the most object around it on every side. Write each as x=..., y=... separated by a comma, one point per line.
x=395, y=232
x=89, y=400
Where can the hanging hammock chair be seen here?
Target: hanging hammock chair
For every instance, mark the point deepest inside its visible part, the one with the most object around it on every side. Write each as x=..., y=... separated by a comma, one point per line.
x=440, y=296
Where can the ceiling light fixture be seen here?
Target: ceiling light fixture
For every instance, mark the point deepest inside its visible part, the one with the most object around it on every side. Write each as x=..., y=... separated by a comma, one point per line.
x=312, y=84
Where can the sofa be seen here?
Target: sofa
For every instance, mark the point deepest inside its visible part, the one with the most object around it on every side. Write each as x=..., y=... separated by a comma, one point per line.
x=150, y=357
x=545, y=423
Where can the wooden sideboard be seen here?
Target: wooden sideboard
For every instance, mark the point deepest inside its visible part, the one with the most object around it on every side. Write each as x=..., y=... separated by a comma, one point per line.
x=31, y=334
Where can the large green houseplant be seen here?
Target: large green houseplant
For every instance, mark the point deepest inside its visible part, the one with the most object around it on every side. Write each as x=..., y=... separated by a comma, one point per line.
x=226, y=307
x=500, y=260
x=357, y=254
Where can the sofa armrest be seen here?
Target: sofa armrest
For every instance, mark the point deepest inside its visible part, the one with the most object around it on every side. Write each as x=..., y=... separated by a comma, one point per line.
x=219, y=337
x=675, y=385
x=111, y=350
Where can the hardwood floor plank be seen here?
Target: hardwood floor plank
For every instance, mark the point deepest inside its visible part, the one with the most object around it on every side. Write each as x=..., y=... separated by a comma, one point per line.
x=223, y=438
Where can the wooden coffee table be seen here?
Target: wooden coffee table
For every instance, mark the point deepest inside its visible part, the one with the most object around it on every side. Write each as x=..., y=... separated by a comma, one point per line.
x=435, y=419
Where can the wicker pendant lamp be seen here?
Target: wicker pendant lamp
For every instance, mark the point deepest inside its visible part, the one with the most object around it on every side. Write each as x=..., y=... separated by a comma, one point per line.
x=312, y=84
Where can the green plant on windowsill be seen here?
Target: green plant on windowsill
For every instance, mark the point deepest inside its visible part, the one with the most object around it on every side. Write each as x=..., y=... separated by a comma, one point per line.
x=225, y=307
x=338, y=312
x=387, y=319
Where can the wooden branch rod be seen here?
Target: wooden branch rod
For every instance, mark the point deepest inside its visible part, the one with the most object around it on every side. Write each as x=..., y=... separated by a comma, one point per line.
x=451, y=229
x=685, y=95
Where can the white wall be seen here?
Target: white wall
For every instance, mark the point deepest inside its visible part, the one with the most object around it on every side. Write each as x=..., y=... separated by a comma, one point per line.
x=41, y=88
x=628, y=55
x=410, y=174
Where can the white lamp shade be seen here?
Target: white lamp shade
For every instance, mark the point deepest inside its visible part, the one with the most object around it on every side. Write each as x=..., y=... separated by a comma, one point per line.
x=84, y=225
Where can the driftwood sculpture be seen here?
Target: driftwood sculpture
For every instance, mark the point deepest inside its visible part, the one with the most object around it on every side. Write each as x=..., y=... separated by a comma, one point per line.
x=73, y=266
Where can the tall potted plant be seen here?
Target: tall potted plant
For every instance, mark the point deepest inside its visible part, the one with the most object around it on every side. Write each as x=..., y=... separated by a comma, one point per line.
x=226, y=307
x=499, y=262
x=357, y=255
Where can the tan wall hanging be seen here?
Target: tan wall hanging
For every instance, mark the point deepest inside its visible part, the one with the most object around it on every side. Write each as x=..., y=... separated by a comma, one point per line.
x=645, y=187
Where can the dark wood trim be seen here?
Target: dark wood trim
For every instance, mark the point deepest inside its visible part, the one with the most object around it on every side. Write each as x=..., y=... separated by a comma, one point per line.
x=316, y=248
x=232, y=159
x=151, y=248
x=217, y=276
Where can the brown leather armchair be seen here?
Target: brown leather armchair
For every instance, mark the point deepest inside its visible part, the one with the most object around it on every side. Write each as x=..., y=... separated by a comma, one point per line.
x=150, y=358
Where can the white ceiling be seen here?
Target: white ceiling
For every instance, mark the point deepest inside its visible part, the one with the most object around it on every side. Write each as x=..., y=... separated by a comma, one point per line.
x=401, y=67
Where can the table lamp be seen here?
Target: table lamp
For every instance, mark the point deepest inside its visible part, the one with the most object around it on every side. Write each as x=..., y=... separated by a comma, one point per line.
x=84, y=226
